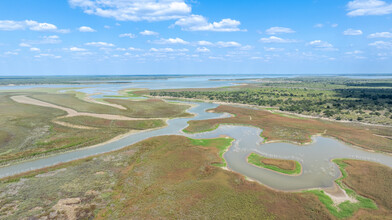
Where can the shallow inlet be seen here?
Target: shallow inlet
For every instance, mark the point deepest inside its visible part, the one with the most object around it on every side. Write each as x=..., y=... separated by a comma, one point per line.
x=318, y=170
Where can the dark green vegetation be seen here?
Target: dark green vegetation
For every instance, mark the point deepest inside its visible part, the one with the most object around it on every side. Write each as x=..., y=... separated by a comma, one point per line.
x=29, y=131
x=281, y=128
x=282, y=166
x=365, y=100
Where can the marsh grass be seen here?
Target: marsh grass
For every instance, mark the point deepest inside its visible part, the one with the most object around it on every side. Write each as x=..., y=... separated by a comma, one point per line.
x=290, y=167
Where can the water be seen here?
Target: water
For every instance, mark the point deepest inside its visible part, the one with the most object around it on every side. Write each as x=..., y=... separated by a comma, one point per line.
x=318, y=170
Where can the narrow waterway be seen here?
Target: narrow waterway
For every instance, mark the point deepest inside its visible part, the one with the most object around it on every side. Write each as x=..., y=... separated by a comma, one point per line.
x=318, y=170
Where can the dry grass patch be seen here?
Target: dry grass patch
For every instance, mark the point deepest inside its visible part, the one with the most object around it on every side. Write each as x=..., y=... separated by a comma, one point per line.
x=373, y=181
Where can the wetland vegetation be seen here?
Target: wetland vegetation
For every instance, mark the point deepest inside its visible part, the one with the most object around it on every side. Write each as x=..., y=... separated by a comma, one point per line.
x=290, y=167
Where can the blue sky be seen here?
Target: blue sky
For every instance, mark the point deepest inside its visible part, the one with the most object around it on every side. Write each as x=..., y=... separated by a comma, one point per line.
x=46, y=37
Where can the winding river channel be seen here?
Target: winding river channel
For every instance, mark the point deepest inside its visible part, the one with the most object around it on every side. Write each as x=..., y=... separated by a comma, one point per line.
x=315, y=158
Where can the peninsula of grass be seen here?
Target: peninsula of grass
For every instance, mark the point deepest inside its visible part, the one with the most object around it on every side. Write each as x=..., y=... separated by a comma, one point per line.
x=376, y=188
x=290, y=167
x=221, y=144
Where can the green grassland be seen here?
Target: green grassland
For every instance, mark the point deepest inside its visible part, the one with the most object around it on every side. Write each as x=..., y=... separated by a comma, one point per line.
x=257, y=160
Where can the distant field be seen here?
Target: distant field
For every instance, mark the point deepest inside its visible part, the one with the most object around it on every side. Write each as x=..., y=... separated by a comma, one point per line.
x=28, y=130
x=278, y=127
x=138, y=109
x=364, y=100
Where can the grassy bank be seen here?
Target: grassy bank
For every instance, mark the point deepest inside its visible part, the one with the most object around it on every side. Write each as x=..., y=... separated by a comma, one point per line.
x=368, y=183
x=289, y=167
x=221, y=144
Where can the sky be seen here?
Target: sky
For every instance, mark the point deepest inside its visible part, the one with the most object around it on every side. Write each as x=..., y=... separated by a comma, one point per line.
x=103, y=37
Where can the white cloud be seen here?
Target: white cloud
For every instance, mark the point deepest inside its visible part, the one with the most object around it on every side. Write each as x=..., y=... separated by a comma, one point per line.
x=168, y=50
x=274, y=39
x=11, y=53
x=200, y=23
x=34, y=49
x=135, y=10
x=47, y=55
x=318, y=25
x=322, y=45
x=202, y=50
x=334, y=25
x=10, y=25
x=24, y=45
x=352, y=32
x=171, y=41
x=204, y=43
x=52, y=39
x=279, y=30
x=381, y=35
x=381, y=44
x=77, y=49
x=148, y=33
x=228, y=44
x=273, y=49
x=355, y=52
x=368, y=7
x=134, y=49
x=130, y=35
x=100, y=44
x=86, y=29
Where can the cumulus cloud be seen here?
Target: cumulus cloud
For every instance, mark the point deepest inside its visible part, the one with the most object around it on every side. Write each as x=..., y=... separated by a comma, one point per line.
x=368, y=7
x=228, y=44
x=148, y=33
x=10, y=25
x=274, y=39
x=130, y=35
x=204, y=43
x=77, y=49
x=352, y=32
x=200, y=23
x=202, y=50
x=34, y=49
x=322, y=45
x=168, y=50
x=171, y=41
x=100, y=44
x=279, y=30
x=381, y=35
x=86, y=29
x=381, y=44
x=134, y=10
x=24, y=45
